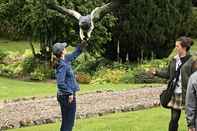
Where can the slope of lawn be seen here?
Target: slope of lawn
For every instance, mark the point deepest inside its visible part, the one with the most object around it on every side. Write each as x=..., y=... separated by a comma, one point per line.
x=145, y=120
x=11, y=89
x=19, y=46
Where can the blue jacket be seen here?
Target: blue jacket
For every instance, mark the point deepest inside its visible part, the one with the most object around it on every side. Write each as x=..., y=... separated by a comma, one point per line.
x=66, y=81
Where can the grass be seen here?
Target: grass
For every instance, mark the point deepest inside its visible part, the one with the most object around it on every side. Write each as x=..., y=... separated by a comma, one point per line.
x=145, y=120
x=12, y=89
x=15, y=46
x=19, y=46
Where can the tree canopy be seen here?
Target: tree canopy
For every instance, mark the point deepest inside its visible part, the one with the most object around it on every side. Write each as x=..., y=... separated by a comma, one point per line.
x=135, y=30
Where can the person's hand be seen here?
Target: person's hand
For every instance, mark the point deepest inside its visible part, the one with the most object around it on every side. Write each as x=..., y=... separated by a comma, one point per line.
x=191, y=129
x=152, y=72
x=84, y=43
x=70, y=99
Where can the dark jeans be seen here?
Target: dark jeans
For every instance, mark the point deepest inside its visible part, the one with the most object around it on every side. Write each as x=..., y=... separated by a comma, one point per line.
x=68, y=111
x=175, y=115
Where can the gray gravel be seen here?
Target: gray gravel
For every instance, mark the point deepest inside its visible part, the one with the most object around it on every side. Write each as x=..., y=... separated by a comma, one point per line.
x=36, y=111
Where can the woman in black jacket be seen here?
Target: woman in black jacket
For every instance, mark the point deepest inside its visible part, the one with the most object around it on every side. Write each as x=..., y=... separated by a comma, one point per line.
x=185, y=60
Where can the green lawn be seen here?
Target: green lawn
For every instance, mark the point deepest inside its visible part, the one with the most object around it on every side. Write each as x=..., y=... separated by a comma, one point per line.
x=146, y=120
x=11, y=89
x=14, y=46
x=19, y=46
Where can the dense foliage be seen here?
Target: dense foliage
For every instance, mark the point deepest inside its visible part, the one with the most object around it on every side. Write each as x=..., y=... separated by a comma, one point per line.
x=148, y=28
x=194, y=2
x=193, y=31
x=136, y=29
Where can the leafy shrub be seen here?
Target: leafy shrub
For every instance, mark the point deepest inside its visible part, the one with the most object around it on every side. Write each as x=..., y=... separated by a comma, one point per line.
x=16, y=65
x=38, y=75
x=128, y=77
x=114, y=72
x=83, y=78
x=3, y=54
x=89, y=64
x=10, y=65
x=107, y=75
x=41, y=72
x=28, y=64
x=143, y=77
x=5, y=71
x=194, y=2
x=88, y=68
x=11, y=71
x=141, y=74
x=12, y=58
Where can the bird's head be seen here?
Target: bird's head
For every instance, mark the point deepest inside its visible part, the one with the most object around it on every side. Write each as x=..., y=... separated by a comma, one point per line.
x=85, y=22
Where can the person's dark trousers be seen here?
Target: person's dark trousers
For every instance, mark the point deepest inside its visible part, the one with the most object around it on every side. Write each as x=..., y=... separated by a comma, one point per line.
x=175, y=115
x=68, y=111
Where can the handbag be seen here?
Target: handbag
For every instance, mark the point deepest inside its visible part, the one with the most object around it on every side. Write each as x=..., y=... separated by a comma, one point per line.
x=166, y=95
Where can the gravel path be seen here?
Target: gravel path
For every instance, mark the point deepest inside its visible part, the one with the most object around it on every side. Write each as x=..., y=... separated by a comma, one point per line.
x=36, y=111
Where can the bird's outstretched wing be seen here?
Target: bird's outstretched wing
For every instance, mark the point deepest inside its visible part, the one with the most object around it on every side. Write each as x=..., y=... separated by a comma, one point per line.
x=98, y=12
x=64, y=11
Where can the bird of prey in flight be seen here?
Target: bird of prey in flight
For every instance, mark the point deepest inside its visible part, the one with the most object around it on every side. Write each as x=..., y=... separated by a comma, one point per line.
x=86, y=23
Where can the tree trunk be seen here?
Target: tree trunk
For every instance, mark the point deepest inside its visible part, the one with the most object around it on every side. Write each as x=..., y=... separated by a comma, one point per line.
x=32, y=46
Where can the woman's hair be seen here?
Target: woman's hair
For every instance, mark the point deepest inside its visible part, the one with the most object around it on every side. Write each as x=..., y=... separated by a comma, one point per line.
x=55, y=59
x=186, y=42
